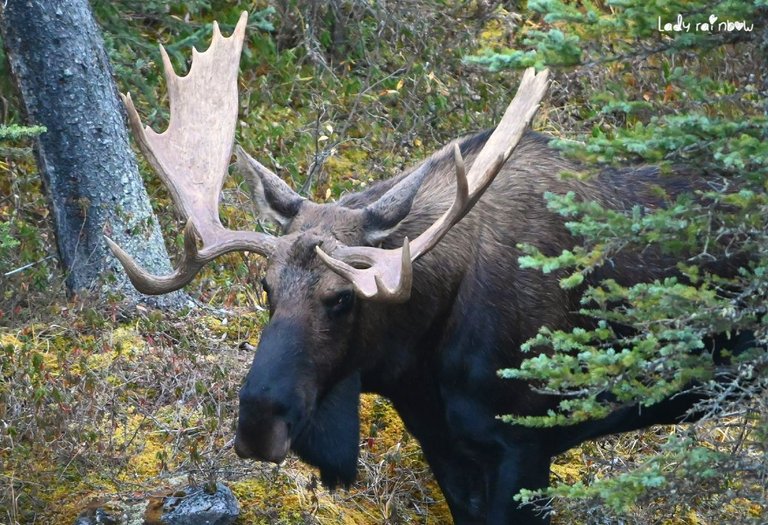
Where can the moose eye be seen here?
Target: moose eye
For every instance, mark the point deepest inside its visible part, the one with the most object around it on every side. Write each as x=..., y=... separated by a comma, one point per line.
x=341, y=303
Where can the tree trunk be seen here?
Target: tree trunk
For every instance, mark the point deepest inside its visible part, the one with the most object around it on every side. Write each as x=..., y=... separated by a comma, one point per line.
x=91, y=178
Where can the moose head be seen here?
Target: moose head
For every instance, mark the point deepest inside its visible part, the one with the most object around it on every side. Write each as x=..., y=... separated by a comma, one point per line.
x=335, y=271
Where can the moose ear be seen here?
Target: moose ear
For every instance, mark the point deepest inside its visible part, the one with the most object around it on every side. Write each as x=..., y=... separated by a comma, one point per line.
x=384, y=215
x=273, y=199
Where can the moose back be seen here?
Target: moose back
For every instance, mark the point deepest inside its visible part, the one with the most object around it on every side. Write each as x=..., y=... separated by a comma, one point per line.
x=410, y=289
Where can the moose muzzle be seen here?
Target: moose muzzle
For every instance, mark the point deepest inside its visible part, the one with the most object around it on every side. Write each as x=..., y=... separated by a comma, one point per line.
x=276, y=396
x=268, y=442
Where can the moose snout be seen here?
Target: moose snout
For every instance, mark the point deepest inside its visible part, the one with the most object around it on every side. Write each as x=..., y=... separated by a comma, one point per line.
x=263, y=430
x=276, y=396
x=273, y=443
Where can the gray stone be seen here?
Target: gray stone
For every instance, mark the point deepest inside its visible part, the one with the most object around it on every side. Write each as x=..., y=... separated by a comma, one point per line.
x=197, y=506
x=97, y=516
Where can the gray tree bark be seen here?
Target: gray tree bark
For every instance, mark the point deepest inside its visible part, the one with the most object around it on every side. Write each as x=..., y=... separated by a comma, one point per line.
x=57, y=57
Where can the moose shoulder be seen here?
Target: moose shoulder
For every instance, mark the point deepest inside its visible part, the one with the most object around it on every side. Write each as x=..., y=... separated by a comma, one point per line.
x=410, y=289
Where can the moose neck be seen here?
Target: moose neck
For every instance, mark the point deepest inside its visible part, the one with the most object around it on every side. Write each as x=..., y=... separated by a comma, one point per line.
x=405, y=338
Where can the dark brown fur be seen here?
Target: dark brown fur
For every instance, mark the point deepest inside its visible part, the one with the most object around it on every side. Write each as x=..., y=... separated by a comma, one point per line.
x=436, y=355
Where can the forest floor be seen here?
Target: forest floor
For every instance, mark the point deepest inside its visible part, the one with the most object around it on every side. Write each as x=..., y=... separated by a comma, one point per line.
x=107, y=405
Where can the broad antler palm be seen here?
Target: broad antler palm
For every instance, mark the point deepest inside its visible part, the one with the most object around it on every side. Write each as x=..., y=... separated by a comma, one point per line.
x=192, y=156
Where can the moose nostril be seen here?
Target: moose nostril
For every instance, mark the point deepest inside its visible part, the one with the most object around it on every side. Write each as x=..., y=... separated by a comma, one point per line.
x=269, y=440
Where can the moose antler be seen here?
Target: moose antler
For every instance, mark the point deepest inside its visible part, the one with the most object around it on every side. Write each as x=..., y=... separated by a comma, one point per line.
x=387, y=274
x=192, y=156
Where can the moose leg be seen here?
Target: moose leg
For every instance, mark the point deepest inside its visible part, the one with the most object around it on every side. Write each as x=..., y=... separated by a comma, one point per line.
x=522, y=466
x=462, y=483
x=461, y=479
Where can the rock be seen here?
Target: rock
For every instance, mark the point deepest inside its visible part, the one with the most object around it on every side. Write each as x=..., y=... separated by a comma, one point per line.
x=198, y=506
x=96, y=516
x=186, y=506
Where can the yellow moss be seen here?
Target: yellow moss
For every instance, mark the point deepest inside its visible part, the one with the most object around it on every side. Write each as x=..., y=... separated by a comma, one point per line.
x=331, y=513
x=214, y=324
x=438, y=513
x=95, y=362
x=76, y=354
x=492, y=34
x=380, y=425
x=244, y=326
x=50, y=362
x=68, y=501
x=127, y=340
x=744, y=507
x=569, y=467
x=270, y=499
x=63, y=492
x=266, y=501
x=495, y=33
x=7, y=339
x=146, y=463
x=389, y=445
x=144, y=449
x=689, y=517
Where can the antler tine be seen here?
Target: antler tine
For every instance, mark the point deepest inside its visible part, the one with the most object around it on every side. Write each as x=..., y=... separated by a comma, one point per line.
x=388, y=275
x=491, y=158
x=192, y=260
x=455, y=213
x=149, y=284
x=191, y=157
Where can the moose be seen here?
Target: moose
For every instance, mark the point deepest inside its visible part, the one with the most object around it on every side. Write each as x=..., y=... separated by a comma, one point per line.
x=410, y=289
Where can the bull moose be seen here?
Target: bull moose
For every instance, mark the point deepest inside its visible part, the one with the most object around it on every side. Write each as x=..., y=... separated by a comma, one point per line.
x=409, y=289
